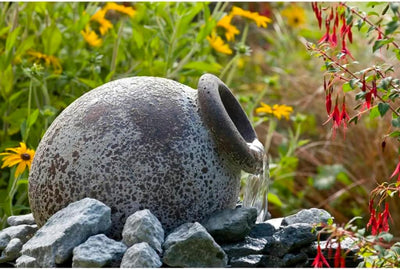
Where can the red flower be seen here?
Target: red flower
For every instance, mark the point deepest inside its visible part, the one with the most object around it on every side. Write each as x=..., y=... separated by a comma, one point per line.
x=379, y=34
x=333, y=38
x=339, y=259
x=372, y=220
x=345, y=51
x=385, y=218
x=374, y=89
x=368, y=99
x=327, y=36
x=344, y=117
x=350, y=34
x=344, y=26
x=319, y=260
x=317, y=12
x=397, y=171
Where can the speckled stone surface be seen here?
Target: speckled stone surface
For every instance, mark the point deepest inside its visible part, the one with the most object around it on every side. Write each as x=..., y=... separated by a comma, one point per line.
x=134, y=143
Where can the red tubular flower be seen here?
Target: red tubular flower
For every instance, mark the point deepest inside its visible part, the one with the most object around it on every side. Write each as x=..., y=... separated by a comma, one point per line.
x=372, y=220
x=344, y=26
x=319, y=260
x=339, y=259
x=345, y=51
x=327, y=36
x=368, y=99
x=328, y=103
x=317, y=12
x=397, y=171
x=379, y=34
x=344, y=117
x=337, y=19
x=385, y=218
x=333, y=38
x=374, y=89
x=349, y=33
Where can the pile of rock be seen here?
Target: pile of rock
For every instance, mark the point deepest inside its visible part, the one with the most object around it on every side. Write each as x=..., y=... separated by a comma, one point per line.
x=76, y=236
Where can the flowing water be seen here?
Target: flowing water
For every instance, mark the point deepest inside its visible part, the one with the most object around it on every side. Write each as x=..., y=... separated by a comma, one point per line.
x=256, y=190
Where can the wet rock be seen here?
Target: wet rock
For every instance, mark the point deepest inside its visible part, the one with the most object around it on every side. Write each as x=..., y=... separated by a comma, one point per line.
x=246, y=261
x=26, y=262
x=290, y=238
x=141, y=255
x=98, y=251
x=295, y=260
x=231, y=225
x=309, y=216
x=20, y=220
x=23, y=232
x=249, y=246
x=190, y=245
x=4, y=240
x=143, y=226
x=271, y=261
x=262, y=230
x=66, y=229
x=12, y=251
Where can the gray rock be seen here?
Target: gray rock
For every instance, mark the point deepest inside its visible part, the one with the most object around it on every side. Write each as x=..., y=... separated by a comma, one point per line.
x=26, y=262
x=249, y=246
x=271, y=261
x=310, y=216
x=190, y=245
x=13, y=249
x=23, y=232
x=4, y=240
x=246, y=261
x=276, y=222
x=141, y=255
x=262, y=230
x=231, y=225
x=295, y=260
x=143, y=226
x=98, y=251
x=20, y=220
x=66, y=229
x=290, y=238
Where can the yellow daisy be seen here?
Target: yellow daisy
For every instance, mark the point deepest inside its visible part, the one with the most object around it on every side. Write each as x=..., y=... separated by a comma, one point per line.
x=295, y=15
x=91, y=37
x=105, y=24
x=49, y=60
x=218, y=44
x=120, y=8
x=277, y=110
x=260, y=20
x=230, y=30
x=20, y=155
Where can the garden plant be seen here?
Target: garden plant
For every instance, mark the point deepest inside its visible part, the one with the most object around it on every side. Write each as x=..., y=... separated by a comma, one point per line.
x=318, y=81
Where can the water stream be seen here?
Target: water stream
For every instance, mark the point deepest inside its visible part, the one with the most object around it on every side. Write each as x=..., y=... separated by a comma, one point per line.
x=256, y=190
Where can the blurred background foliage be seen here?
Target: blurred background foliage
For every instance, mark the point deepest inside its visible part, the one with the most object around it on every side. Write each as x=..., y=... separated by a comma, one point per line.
x=52, y=53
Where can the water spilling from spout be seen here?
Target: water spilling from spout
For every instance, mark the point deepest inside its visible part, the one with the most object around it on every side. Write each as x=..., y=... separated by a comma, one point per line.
x=256, y=187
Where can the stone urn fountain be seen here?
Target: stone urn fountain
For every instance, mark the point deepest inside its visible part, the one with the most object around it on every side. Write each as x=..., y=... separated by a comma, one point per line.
x=146, y=143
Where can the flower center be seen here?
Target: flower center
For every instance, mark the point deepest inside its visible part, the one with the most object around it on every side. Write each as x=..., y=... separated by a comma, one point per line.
x=25, y=156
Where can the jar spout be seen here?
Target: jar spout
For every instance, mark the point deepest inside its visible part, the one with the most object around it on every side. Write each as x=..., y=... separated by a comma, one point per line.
x=229, y=125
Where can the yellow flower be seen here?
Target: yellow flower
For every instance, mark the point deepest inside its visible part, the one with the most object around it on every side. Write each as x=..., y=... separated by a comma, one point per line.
x=49, y=60
x=120, y=8
x=105, y=24
x=295, y=15
x=260, y=20
x=218, y=44
x=91, y=37
x=277, y=110
x=21, y=156
x=230, y=30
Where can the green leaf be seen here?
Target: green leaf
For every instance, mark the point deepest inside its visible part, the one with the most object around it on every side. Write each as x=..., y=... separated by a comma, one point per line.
x=380, y=43
x=347, y=87
x=383, y=108
x=394, y=7
x=203, y=66
x=391, y=27
x=396, y=122
x=12, y=38
x=374, y=112
x=90, y=83
x=32, y=118
x=394, y=134
x=274, y=199
x=51, y=39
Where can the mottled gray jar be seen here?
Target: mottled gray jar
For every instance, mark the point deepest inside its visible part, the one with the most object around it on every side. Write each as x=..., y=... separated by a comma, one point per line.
x=146, y=142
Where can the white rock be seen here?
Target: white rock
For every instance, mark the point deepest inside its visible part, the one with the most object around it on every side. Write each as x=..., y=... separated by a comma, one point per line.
x=141, y=255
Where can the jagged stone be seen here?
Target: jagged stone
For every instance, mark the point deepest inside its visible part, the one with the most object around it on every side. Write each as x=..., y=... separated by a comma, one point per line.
x=141, y=255
x=271, y=261
x=98, y=251
x=4, y=240
x=309, y=216
x=261, y=230
x=249, y=246
x=231, y=225
x=143, y=226
x=246, y=261
x=21, y=220
x=190, y=245
x=66, y=229
x=23, y=232
x=12, y=251
x=295, y=260
x=26, y=262
x=290, y=238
